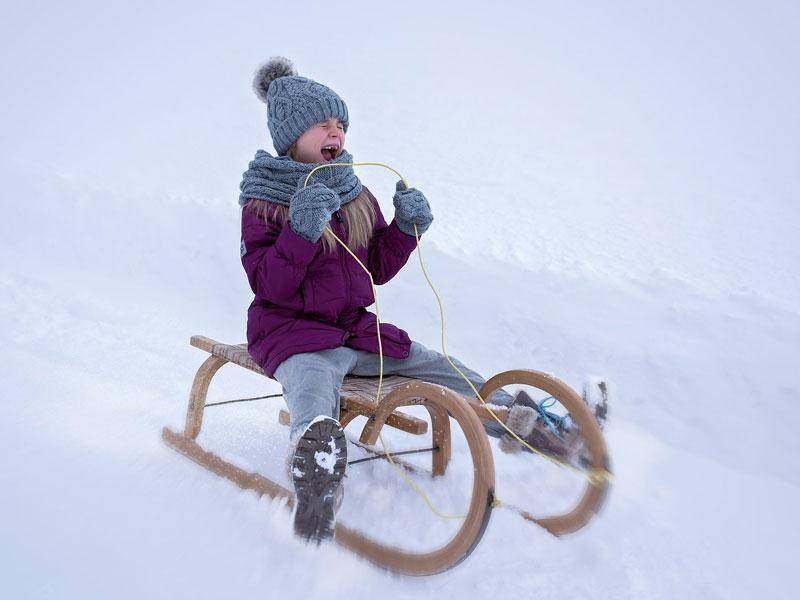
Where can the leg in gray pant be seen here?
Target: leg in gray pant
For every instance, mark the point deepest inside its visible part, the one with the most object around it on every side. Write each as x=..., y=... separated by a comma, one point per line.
x=311, y=380
x=432, y=366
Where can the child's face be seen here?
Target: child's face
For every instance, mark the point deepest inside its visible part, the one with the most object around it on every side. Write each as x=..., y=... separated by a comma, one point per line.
x=321, y=142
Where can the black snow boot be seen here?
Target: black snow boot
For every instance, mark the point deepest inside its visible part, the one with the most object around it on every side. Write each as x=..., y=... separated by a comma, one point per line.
x=318, y=467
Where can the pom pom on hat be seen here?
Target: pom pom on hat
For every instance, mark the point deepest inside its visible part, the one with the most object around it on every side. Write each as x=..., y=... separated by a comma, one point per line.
x=277, y=66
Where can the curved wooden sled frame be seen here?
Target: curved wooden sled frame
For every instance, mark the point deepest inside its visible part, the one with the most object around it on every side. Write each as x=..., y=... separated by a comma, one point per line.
x=594, y=493
x=441, y=403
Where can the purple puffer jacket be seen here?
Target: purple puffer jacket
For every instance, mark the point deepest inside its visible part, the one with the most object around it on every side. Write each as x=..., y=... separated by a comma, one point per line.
x=308, y=300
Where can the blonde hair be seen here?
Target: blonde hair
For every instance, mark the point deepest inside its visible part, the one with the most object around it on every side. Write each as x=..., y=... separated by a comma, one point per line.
x=358, y=214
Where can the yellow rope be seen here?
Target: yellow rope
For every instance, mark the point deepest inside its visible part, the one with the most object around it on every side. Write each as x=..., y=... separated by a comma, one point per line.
x=595, y=476
x=380, y=382
x=364, y=164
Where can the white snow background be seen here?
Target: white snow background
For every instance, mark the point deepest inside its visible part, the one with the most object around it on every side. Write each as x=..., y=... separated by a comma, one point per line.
x=614, y=191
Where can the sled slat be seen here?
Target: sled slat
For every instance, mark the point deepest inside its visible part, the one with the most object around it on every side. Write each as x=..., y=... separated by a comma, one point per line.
x=202, y=342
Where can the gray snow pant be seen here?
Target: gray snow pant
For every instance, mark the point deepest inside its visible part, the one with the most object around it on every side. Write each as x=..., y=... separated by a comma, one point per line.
x=311, y=380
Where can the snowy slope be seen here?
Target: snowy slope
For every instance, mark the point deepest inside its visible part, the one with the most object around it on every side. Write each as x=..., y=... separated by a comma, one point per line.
x=618, y=185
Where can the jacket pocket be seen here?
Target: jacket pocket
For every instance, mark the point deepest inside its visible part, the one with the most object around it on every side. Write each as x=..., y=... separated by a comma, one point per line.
x=360, y=288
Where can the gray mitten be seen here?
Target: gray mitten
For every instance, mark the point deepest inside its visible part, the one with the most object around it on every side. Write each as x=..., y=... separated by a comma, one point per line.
x=411, y=208
x=310, y=209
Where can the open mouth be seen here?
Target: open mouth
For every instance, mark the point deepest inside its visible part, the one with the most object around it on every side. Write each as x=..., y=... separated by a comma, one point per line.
x=330, y=151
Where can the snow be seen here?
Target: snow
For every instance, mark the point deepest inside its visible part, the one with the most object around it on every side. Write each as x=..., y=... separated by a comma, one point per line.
x=614, y=193
x=327, y=460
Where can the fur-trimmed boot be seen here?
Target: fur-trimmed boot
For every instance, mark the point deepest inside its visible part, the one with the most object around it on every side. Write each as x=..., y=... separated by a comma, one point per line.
x=565, y=443
x=526, y=421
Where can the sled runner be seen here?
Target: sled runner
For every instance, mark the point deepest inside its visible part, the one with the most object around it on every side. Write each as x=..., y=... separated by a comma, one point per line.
x=358, y=398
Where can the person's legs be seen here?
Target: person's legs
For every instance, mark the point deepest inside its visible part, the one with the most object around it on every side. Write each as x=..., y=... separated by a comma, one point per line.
x=432, y=366
x=311, y=382
x=317, y=458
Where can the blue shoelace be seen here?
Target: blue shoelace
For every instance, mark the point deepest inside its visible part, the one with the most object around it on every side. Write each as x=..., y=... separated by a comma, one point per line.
x=553, y=421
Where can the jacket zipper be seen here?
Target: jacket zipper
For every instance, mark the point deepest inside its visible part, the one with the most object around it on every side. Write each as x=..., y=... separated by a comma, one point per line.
x=343, y=259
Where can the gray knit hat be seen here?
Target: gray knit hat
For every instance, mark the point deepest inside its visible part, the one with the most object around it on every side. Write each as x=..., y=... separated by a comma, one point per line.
x=294, y=103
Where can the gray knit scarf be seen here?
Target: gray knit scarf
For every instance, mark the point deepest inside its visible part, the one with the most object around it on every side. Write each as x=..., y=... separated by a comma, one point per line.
x=278, y=178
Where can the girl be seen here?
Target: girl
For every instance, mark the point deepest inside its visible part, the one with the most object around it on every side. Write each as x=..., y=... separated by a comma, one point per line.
x=308, y=325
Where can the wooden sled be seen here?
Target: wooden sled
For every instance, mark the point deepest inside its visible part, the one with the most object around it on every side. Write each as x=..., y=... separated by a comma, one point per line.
x=358, y=398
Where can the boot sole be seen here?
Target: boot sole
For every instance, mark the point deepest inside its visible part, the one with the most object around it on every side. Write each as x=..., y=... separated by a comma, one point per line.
x=318, y=467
